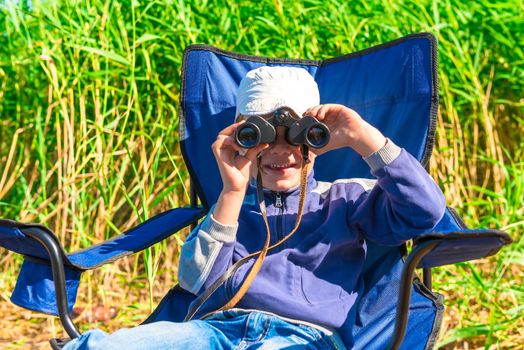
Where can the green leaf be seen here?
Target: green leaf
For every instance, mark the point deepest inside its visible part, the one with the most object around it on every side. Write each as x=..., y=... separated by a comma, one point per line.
x=107, y=54
x=146, y=37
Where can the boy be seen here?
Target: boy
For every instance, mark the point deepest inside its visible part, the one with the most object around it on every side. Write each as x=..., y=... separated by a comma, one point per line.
x=304, y=294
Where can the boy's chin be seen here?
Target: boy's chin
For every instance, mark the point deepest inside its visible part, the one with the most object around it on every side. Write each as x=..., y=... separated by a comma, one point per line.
x=282, y=186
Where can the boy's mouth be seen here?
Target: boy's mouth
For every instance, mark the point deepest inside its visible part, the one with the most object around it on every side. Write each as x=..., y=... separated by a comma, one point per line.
x=279, y=167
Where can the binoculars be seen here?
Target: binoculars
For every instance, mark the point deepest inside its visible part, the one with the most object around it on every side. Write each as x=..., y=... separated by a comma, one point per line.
x=262, y=129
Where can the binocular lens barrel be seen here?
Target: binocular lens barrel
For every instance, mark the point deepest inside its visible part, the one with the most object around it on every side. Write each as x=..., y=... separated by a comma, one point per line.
x=247, y=136
x=317, y=136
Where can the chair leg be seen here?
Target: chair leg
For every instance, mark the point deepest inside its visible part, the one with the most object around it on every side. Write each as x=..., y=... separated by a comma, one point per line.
x=426, y=276
x=58, y=343
x=404, y=297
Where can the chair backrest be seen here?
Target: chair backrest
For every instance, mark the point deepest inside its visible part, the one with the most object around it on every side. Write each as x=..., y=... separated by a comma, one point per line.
x=393, y=86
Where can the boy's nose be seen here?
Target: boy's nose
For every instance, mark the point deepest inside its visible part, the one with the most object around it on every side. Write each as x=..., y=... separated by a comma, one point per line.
x=280, y=145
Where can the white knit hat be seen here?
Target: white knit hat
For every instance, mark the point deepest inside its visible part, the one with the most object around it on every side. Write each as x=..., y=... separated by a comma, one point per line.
x=266, y=89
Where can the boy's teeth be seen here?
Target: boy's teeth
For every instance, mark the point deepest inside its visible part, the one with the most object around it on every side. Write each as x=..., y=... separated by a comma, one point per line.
x=280, y=166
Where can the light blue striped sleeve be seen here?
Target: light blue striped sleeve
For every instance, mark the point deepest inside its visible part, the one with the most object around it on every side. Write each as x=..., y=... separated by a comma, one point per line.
x=384, y=156
x=200, y=251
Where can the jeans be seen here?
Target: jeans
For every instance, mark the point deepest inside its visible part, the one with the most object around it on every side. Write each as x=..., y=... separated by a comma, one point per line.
x=225, y=330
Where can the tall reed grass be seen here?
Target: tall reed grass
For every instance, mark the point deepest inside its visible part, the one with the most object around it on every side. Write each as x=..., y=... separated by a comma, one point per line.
x=89, y=145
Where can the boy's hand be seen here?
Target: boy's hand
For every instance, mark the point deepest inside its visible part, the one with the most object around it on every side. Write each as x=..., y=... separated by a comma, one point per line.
x=348, y=129
x=233, y=166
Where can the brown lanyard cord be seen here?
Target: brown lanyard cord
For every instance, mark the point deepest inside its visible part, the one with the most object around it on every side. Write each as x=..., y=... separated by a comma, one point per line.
x=261, y=253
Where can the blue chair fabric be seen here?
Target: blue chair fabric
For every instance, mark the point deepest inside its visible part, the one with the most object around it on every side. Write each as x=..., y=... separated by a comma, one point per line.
x=35, y=289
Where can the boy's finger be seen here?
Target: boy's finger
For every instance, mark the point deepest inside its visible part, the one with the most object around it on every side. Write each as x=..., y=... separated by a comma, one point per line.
x=252, y=153
x=328, y=112
x=220, y=142
x=313, y=111
x=231, y=129
x=321, y=113
x=229, y=141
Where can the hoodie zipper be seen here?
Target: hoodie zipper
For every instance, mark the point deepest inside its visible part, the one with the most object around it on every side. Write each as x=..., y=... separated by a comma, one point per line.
x=279, y=203
x=278, y=200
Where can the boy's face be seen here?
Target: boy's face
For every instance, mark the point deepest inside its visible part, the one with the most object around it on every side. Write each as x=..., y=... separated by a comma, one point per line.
x=281, y=164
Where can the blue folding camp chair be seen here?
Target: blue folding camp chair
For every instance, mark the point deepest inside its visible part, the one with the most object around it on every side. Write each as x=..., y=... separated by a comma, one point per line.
x=393, y=86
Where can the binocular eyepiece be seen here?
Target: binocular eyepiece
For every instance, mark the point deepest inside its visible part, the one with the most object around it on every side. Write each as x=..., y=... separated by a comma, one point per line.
x=262, y=129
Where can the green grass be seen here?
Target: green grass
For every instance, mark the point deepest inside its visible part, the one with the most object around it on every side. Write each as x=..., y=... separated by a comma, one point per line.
x=89, y=114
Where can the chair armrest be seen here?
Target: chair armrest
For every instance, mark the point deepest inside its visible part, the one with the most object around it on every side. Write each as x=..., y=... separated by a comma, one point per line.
x=437, y=249
x=52, y=289
x=458, y=246
x=14, y=236
x=136, y=239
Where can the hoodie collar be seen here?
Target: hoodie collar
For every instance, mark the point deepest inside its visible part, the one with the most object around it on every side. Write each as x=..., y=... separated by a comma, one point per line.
x=311, y=183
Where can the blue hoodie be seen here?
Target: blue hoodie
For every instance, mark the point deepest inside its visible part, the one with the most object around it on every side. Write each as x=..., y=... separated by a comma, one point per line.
x=315, y=276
